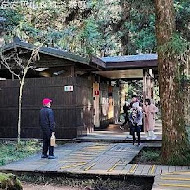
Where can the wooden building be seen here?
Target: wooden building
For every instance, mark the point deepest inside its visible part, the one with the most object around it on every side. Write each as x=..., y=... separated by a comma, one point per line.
x=85, y=92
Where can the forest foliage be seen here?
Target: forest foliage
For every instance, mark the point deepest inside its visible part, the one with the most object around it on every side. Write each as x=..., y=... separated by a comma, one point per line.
x=102, y=28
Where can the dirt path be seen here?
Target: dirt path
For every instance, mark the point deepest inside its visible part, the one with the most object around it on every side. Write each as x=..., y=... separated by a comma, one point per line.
x=47, y=187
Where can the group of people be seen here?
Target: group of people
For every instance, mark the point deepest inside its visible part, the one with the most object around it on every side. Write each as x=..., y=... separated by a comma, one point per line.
x=137, y=114
x=134, y=117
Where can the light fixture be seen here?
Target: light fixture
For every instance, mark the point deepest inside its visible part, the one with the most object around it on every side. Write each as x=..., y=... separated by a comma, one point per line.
x=58, y=72
x=41, y=69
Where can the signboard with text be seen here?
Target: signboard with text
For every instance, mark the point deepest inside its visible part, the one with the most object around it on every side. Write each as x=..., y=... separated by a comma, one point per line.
x=96, y=93
x=68, y=88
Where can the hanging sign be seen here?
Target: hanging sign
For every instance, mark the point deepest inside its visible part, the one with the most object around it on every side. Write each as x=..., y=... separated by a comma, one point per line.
x=68, y=88
x=96, y=93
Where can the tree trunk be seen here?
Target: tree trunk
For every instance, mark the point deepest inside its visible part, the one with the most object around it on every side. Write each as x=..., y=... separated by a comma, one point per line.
x=22, y=81
x=125, y=15
x=174, y=135
x=124, y=43
x=186, y=61
x=20, y=109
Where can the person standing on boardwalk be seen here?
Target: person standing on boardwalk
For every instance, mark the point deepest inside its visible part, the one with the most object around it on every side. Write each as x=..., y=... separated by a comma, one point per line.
x=149, y=120
x=126, y=108
x=47, y=125
x=135, y=121
x=133, y=100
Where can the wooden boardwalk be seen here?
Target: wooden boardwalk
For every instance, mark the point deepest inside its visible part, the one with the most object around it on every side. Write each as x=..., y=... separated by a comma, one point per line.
x=104, y=159
x=80, y=158
x=176, y=180
x=114, y=134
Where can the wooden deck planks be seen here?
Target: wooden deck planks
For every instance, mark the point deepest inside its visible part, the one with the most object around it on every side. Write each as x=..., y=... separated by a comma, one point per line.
x=106, y=159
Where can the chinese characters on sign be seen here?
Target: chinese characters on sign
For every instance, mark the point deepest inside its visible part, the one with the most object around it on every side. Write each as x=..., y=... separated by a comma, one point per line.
x=41, y=5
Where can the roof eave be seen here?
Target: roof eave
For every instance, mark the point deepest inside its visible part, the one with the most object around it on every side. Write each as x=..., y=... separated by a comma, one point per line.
x=97, y=63
x=48, y=51
x=132, y=64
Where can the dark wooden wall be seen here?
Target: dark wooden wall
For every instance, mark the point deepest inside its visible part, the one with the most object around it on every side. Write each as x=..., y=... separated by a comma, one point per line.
x=84, y=106
x=73, y=110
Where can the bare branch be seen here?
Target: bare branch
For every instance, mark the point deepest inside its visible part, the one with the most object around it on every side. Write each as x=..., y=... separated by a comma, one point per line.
x=7, y=66
x=24, y=66
x=34, y=56
x=19, y=62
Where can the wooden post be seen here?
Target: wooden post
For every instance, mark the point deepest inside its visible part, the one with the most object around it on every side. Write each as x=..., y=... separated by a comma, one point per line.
x=13, y=78
x=123, y=95
x=152, y=86
x=111, y=103
x=96, y=97
x=72, y=71
x=148, y=84
x=144, y=84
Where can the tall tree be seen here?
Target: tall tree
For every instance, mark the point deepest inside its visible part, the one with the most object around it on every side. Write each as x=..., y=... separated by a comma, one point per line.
x=174, y=136
x=13, y=61
x=125, y=15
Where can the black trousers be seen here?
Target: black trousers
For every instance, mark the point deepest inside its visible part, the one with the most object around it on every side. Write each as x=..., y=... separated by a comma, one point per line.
x=126, y=122
x=46, y=144
x=126, y=119
x=137, y=129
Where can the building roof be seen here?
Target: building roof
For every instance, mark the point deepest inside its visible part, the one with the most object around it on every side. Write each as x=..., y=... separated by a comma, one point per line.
x=46, y=50
x=129, y=58
x=104, y=63
x=94, y=62
x=131, y=61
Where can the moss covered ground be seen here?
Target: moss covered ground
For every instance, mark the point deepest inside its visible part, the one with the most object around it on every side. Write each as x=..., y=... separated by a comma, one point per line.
x=9, y=182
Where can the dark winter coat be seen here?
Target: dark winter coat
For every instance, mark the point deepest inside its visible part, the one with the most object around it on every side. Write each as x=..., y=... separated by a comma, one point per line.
x=47, y=122
x=135, y=117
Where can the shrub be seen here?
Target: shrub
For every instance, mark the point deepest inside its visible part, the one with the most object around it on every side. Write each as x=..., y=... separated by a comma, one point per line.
x=9, y=182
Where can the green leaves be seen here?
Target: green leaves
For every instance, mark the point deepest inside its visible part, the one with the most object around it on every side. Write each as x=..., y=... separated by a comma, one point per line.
x=94, y=29
x=175, y=47
x=183, y=18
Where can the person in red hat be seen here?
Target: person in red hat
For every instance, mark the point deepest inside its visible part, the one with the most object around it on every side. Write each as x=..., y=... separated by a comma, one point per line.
x=47, y=124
